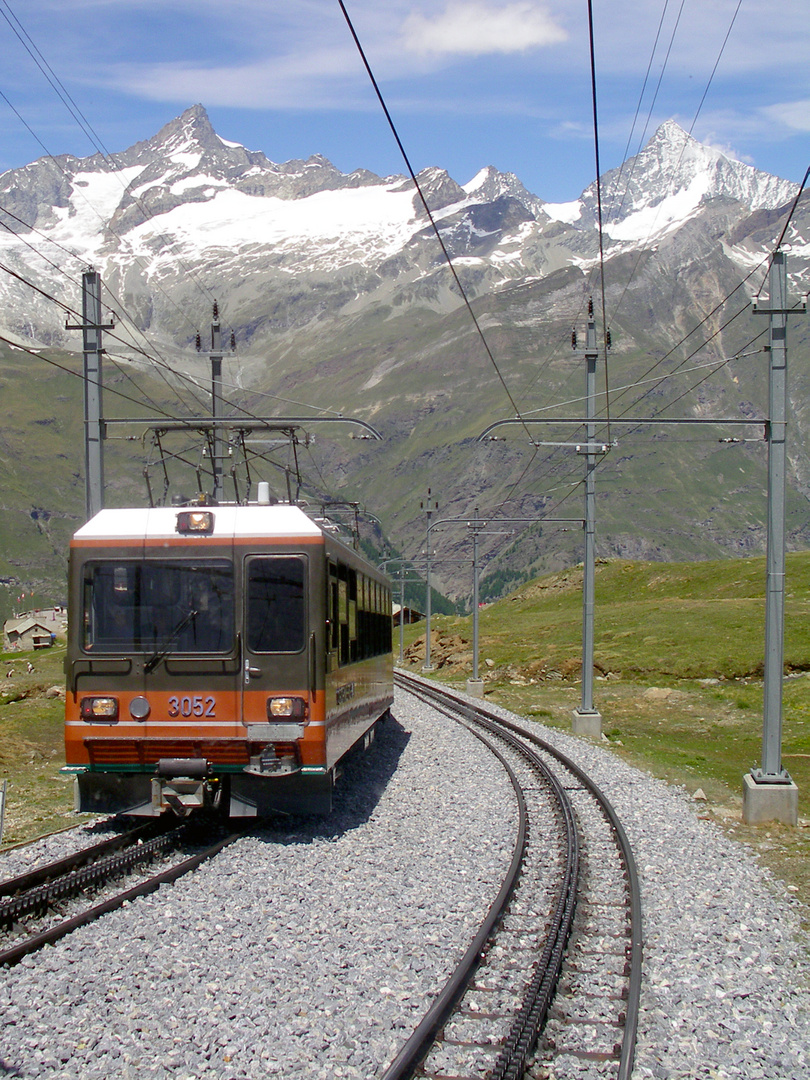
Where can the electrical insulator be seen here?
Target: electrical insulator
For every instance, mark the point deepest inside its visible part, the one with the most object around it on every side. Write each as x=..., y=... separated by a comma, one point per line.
x=573, y=339
x=233, y=341
x=198, y=342
x=590, y=307
x=607, y=338
x=216, y=311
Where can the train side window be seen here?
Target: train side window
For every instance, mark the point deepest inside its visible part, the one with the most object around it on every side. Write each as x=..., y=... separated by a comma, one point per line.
x=352, y=615
x=276, y=613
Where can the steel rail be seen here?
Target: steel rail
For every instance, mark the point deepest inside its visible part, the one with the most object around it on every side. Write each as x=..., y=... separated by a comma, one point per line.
x=32, y=878
x=39, y=898
x=627, y=1053
x=538, y=996
x=633, y=887
x=15, y=953
x=419, y=1043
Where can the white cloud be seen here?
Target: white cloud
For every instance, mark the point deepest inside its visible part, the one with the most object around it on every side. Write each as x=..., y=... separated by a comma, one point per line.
x=715, y=143
x=477, y=28
x=321, y=78
x=793, y=114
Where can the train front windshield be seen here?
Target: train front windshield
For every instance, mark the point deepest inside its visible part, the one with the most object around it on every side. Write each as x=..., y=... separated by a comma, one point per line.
x=175, y=606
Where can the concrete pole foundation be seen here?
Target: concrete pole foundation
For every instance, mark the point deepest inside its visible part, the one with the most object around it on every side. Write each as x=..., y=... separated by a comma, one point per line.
x=765, y=801
x=587, y=722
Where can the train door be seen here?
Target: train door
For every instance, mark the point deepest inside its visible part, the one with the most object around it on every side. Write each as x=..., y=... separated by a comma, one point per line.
x=277, y=663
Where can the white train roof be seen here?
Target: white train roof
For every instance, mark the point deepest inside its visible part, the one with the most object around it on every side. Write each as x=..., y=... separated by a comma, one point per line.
x=160, y=522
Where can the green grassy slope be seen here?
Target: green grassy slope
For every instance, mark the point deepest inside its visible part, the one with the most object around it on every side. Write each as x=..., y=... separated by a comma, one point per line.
x=679, y=650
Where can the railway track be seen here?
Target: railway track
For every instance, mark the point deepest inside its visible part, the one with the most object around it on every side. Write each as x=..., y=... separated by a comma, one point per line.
x=567, y=920
x=44, y=905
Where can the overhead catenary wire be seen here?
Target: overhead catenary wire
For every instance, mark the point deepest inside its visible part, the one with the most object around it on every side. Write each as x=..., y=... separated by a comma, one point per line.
x=716, y=65
x=529, y=414
x=617, y=183
x=69, y=310
x=537, y=375
x=56, y=84
x=600, y=225
x=688, y=134
x=40, y=355
x=786, y=226
x=78, y=315
x=86, y=127
x=764, y=263
x=58, y=165
x=430, y=216
x=662, y=359
x=117, y=306
x=162, y=366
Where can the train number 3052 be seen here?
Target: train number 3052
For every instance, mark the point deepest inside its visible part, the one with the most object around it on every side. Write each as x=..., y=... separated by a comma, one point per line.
x=192, y=706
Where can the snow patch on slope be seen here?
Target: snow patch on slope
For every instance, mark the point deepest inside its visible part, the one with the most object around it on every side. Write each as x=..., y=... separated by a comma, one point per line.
x=349, y=224
x=655, y=220
x=93, y=201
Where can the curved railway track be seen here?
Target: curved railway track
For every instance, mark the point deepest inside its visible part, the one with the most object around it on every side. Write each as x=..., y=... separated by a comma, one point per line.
x=34, y=898
x=576, y=930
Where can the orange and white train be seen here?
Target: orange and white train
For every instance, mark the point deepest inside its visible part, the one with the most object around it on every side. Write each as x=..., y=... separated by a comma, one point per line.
x=222, y=656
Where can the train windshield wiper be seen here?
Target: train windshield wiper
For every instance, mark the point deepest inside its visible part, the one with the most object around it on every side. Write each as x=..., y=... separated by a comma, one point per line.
x=156, y=657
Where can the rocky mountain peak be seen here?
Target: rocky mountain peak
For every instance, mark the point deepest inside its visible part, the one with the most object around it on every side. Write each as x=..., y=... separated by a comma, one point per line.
x=189, y=131
x=189, y=190
x=489, y=184
x=672, y=176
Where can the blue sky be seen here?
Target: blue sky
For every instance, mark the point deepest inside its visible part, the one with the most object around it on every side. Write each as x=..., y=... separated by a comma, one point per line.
x=469, y=82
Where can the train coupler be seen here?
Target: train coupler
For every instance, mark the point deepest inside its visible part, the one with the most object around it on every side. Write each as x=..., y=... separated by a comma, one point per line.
x=183, y=785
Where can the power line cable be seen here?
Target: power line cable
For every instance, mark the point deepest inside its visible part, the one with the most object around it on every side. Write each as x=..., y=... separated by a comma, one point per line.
x=720, y=304
x=60, y=270
x=658, y=378
x=69, y=371
x=162, y=367
x=78, y=315
x=689, y=133
x=626, y=154
x=716, y=64
x=785, y=227
x=599, y=208
x=430, y=216
x=86, y=127
x=30, y=47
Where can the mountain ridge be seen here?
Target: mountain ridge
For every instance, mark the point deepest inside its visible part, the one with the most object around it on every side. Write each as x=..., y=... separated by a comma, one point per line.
x=339, y=297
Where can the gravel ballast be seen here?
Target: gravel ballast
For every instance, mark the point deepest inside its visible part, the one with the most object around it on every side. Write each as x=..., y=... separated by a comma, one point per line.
x=301, y=951
x=307, y=950
x=726, y=988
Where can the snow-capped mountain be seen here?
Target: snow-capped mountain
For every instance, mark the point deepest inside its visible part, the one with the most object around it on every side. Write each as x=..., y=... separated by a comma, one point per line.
x=669, y=181
x=283, y=244
x=340, y=299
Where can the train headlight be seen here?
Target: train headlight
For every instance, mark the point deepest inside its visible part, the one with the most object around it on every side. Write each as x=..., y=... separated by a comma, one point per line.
x=104, y=709
x=195, y=521
x=287, y=708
